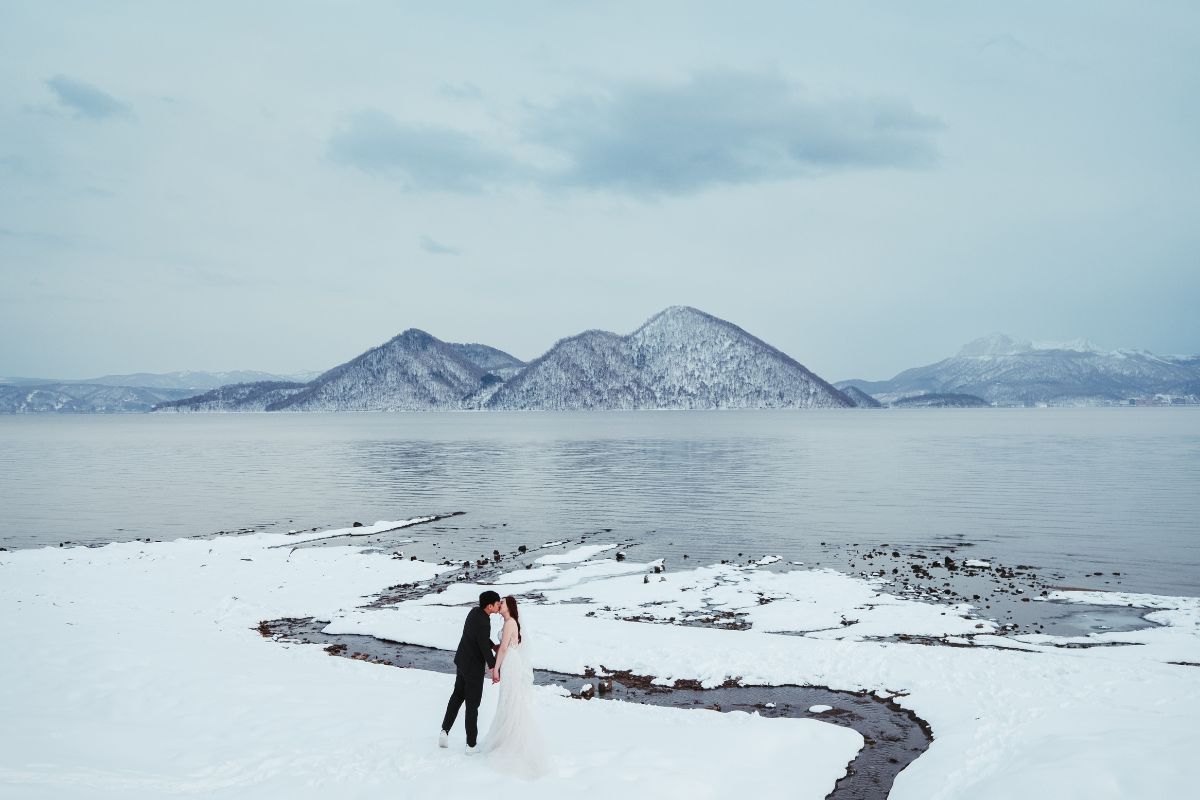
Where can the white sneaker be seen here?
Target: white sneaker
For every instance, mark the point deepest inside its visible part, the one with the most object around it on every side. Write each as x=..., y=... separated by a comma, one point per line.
x=443, y=739
x=472, y=750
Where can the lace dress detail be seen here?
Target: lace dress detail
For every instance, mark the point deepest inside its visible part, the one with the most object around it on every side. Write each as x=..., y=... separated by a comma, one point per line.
x=513, y=742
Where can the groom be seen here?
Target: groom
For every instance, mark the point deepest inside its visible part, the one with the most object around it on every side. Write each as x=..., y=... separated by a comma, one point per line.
x=474, y=651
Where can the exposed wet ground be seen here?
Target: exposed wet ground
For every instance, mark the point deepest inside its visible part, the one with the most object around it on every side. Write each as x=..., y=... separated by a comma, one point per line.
x=893, y=737
x=1013, y=595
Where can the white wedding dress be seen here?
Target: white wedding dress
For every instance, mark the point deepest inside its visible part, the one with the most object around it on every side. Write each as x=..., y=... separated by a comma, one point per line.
x=513, y=742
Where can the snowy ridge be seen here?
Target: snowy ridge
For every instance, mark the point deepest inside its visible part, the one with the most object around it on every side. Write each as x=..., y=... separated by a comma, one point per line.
x=941, y=401
x=489, y=359
x=237, y=397
x=681, y=358
x=187, y=380
x=83, y=398
x=860, y=398
x=1005, y=371
x=412, y=372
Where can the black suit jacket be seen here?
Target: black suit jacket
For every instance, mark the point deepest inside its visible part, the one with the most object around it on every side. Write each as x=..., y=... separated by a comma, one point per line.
x=475, y=647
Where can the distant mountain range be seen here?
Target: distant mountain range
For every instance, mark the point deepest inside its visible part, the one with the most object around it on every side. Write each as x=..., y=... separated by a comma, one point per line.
x=1008, y=372
x=82, y=398
x=118, y=393
x=192, y=381
x=681, y=358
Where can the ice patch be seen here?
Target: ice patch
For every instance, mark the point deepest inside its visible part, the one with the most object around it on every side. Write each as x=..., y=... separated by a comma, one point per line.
x=574, y=556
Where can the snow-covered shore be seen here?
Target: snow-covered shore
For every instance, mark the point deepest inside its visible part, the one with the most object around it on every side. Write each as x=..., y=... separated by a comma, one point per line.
x=135, y=670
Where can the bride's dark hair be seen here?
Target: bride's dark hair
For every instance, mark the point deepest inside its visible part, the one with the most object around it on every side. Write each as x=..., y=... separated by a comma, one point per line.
x=511, y=602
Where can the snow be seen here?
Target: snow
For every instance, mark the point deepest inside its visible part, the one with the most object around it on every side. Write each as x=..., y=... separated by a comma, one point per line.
x=681, y=358
x=134, y=670
x=362, y=530
x=139, y=675
x=819, y=709
x=762, y=562
x=1005, y=371
x=975, y=562
x=576, y=555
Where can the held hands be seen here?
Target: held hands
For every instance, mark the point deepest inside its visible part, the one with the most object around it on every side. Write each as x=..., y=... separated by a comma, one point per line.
x=495, y=675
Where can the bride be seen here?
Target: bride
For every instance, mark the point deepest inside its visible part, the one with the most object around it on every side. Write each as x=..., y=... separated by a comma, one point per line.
x=513, y=742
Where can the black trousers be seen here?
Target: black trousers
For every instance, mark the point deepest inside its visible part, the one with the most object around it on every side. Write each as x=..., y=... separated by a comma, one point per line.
x=468, y=686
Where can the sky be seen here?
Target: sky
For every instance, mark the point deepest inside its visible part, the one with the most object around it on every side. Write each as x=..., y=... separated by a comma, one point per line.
x=280, y=186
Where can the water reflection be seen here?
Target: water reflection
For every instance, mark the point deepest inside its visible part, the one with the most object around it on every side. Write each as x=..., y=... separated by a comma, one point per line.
x=1111, y=486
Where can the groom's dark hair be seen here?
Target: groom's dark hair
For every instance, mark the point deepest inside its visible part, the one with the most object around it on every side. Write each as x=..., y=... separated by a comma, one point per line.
x=487, y=598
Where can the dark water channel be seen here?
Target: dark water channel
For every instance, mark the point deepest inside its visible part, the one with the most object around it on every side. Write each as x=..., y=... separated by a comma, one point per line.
x=894, y=737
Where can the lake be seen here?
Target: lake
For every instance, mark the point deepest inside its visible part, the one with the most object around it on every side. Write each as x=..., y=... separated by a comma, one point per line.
x=1077, y=490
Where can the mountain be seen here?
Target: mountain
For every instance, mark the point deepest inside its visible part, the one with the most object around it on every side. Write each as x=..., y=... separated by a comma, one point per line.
x=489, y=359
x=188, y=380
x=197, y=381
x=412, y=372
x=860, y=398
x=941, y=401
x=255, y=396
x=681, y=358
x=1006, y=371
x=82, y=398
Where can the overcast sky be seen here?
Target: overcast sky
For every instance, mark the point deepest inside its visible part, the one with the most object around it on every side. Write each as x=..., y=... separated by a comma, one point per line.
x=279, y=186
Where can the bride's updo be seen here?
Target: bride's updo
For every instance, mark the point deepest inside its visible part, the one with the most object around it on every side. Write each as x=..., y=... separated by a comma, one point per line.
x=511, y=602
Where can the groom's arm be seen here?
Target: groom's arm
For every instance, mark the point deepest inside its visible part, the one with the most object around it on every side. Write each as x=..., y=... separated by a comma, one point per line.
x=483, y=640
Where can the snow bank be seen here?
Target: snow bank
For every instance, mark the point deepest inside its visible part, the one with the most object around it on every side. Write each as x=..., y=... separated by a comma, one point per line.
x=134, y=670
x=578, y=554
x=1009, y=716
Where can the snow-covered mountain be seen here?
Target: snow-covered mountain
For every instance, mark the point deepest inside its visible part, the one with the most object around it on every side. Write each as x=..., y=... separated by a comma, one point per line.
x=139, y=392
x=412, y=372
x=941, y=401
x=188, y=380
x=82, y=398
x=681, y=358
x=1006, y=371
x=254, y=396
x=860, y=398
x=489, y=359
x=197, y=381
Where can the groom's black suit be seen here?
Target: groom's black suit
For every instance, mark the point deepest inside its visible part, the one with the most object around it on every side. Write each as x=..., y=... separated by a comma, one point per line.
x=474, y=650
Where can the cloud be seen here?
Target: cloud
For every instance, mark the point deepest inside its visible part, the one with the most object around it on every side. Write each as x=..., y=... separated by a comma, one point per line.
x=1008, y=44
x=461, y=91
x=85, y=99
x=717, y=128
x=728, y=128
x=424, y=157
x=431, y=245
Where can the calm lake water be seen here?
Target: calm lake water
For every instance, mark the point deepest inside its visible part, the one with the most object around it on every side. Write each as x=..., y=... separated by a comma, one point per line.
x=1070, y=489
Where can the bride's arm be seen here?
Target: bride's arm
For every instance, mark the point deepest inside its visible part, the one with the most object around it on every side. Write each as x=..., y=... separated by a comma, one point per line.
x=506, y=637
